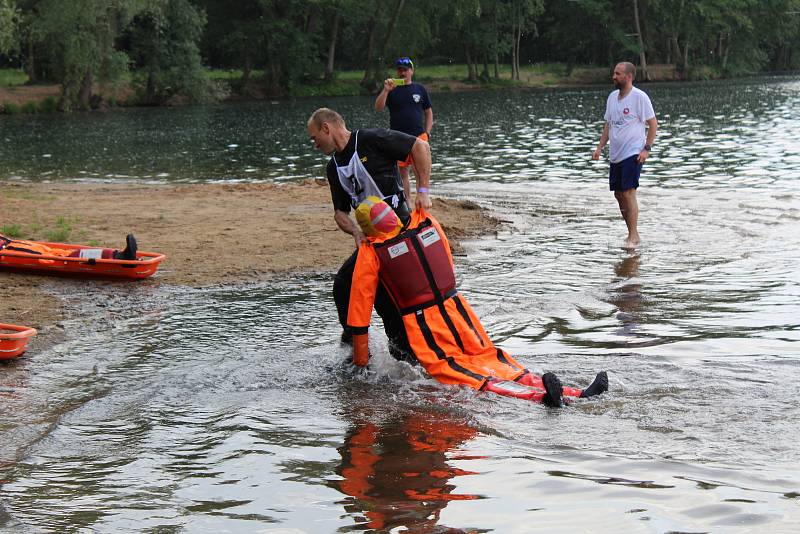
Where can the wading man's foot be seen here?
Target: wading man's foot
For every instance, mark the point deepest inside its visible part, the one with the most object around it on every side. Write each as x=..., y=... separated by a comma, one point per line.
x=552, y=385
x=600, y=385
x=631, y=241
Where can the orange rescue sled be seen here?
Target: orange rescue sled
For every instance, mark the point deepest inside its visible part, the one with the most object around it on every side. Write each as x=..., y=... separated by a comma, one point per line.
x=13, y=340
x=145, y=265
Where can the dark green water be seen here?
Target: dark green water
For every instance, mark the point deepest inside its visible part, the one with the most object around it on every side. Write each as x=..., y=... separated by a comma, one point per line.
x=710, y=134
x=228, y=409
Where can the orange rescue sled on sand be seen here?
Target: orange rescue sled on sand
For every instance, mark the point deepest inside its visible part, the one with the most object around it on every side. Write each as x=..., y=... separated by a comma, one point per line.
x=145, y=264
x=13, y=340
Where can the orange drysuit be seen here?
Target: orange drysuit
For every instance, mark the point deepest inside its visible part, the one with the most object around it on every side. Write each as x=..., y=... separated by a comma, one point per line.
x=446, y=336
x=34, y=247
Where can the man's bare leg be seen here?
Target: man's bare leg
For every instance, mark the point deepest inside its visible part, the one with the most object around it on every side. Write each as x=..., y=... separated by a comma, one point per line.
x=629, y=208
x=404, y=175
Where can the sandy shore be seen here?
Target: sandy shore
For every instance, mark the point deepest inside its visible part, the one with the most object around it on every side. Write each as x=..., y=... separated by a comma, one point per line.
x=211, y=234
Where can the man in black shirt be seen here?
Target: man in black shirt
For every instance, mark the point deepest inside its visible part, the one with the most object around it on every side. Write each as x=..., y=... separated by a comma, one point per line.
x=409, y=109
x=364, y=163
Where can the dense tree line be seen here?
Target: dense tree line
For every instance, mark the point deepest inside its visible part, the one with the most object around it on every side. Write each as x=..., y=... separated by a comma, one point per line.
x=83, y=43
x=164, y=45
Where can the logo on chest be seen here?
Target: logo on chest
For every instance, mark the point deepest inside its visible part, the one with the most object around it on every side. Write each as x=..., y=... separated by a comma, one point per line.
x=417, y=98
x=398, y=250
x=626, y=111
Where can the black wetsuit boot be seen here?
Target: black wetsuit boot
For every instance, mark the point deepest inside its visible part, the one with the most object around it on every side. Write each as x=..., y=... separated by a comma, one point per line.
x=552, y=385
x=600, y=385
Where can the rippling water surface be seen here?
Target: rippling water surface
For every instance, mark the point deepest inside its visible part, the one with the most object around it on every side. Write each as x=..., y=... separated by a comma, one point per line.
x=229, y=409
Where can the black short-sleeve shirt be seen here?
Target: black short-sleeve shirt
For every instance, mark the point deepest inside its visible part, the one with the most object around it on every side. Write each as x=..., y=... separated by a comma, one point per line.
x=407, y=105
x=380, y=150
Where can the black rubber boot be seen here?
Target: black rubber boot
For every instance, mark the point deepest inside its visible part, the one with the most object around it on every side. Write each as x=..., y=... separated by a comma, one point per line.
x=130, y=249
x=600, y=385
x=347, y=336
x=552, y=385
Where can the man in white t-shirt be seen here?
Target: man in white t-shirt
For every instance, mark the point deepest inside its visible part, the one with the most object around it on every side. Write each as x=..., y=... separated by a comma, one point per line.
x=628, y=110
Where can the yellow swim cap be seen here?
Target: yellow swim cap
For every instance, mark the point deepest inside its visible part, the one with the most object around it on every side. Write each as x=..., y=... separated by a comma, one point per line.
x=377, y=218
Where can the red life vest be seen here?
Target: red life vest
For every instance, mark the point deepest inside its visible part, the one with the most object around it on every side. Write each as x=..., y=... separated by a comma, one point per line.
x=416, y=269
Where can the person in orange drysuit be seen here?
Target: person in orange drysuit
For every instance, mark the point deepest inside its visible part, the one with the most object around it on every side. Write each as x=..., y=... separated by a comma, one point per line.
x=34, y=247
x=416, y=267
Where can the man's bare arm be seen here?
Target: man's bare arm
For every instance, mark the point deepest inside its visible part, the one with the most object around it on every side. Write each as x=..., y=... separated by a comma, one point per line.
x=421, y=152
x=348, y=226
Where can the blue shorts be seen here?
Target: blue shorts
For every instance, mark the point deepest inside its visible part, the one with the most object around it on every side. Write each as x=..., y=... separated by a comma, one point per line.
x=625, y=174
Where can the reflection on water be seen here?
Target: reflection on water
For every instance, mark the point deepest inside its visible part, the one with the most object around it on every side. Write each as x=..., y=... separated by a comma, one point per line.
x=626, y=293
x=231, y=408
x=399, y=473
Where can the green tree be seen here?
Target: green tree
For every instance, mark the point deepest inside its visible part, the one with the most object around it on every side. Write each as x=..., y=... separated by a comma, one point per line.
x=459, y=28
x=709, y=33
x=778, y=25
x=9, y=19
x=381, y=26
x=29, y=39
x=233, y=36
x=165, y=38
x=290, y=50
x=640, y=38
x=80, y=36
x=587, y=26
x=335, y=12
x=488, y=36
x=518, y=17
x=414, y=33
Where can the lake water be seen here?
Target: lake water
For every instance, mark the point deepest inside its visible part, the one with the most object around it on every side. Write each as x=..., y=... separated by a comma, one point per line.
x=229, y=409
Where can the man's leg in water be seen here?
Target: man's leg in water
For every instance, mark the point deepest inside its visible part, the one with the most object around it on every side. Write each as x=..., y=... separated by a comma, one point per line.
x=384, y=305
x=342, y=283
x=404, y=176
x=533, y=380
x=629, y=207
x=393, y=325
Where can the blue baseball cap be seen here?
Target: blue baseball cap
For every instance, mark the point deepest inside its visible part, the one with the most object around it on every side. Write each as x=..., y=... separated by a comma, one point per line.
x=404, y=62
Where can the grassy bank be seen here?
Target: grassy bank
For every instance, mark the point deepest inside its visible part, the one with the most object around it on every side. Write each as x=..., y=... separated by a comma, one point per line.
x=440, y=78
x=17, y=97
x=10, y=77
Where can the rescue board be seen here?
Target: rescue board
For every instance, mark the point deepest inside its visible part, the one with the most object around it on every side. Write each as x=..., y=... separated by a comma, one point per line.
x=13, y=340
x=145, y=264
